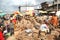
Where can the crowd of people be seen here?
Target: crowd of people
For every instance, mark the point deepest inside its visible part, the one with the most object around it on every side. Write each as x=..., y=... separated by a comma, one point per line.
x=17, y=25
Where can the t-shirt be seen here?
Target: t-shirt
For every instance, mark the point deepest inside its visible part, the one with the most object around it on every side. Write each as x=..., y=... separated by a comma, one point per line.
x=11, y=25
x=54, y=20
x=43, y=27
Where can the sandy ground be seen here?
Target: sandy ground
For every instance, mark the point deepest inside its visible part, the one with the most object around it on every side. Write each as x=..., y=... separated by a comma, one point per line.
x=11, y=38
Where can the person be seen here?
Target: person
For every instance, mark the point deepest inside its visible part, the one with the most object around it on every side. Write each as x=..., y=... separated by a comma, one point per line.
x=11, y=27
x=14, y=22
x=1, y=34
x=54, y=20
x=44, y=27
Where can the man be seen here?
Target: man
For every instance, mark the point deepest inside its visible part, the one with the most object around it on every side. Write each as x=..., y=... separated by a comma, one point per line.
x=54, y=20
x=11, y=28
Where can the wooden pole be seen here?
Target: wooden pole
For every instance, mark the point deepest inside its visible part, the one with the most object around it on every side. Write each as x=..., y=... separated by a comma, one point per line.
x=57, y=5
x=19, y=8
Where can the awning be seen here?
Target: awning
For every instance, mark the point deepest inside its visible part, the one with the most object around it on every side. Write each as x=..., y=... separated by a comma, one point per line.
x=42, y=11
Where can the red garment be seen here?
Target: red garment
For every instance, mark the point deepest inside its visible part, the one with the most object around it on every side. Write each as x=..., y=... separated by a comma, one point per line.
x=14, y=21
x=1, y=36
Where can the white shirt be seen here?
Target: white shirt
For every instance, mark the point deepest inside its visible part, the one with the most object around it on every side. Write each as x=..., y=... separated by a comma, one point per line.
x=44, y=27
